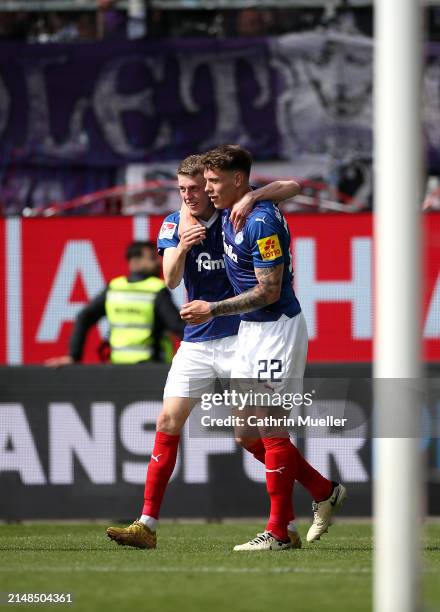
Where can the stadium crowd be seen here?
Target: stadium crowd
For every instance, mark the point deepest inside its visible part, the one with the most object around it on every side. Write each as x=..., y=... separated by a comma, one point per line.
x=109, y=21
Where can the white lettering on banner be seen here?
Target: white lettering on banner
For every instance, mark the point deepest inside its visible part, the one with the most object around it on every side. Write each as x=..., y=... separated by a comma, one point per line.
x=137, y=440
x=357, y=290
x=110, y=105
x=78, y=258
x=223, y=72
x=345, y=453
x=39, y=125
x=197, y=453
x=141, y=227
x=432, y=325
x=14, y=291
x=343, y=449
x=18, y=452
x=69, y=438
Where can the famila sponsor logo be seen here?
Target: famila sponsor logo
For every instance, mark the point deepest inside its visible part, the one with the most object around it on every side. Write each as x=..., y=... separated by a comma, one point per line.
x=205, y=262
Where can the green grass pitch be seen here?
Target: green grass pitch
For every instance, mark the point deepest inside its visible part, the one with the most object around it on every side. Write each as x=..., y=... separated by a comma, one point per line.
x=194, y=569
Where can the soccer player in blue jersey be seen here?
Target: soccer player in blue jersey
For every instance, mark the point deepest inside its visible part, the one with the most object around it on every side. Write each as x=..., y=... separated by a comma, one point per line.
x=208, y=349
x=272, y=339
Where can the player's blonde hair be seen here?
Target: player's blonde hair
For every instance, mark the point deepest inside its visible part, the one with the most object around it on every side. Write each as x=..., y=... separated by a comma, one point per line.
x=191, y=166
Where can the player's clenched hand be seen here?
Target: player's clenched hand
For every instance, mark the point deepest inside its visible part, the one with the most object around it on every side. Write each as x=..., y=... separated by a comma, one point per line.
x=241, y=210
x=196, y=312
x=187, y=220
x=193, y=235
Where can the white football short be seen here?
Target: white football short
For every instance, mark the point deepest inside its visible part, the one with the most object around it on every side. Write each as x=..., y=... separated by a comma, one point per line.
x=272, y=353
x=196, y=365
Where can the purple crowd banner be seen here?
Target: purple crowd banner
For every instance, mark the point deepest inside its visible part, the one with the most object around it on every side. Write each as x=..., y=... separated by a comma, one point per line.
x=112, y=103
x=303, y=97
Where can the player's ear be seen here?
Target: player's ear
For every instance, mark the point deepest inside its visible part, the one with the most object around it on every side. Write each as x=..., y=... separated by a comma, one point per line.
x=238, y=179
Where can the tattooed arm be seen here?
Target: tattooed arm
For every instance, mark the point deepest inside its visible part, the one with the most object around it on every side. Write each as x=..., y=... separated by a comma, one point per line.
x=266, y=292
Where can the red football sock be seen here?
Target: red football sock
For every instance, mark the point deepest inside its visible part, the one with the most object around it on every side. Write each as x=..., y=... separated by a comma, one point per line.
x=160, y=468
x=319, y=487
x=280, y=475
x=258, y=451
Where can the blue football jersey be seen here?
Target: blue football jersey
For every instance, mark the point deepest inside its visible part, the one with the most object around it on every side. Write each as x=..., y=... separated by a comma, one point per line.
x=264, y=242
x=204, y=276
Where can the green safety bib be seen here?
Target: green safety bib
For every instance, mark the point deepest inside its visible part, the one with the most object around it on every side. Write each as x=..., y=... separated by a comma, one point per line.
x=130, y=313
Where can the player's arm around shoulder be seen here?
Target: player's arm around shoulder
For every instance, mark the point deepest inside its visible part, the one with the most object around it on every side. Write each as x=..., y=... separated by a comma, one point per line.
x=277, y=191
x=174, y=257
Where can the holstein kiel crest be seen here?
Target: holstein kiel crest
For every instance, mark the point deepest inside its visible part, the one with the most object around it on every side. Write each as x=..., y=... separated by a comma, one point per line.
x=238, y=238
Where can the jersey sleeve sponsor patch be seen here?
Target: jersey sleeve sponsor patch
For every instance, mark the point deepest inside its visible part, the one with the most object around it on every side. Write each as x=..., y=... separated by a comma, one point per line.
x=270, y=248
x=167, y=230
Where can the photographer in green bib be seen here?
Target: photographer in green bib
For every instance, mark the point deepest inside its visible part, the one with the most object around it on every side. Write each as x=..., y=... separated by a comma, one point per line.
x=139, y=310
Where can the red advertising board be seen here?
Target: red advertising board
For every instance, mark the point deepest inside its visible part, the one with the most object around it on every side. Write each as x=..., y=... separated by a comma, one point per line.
x=333, y=273
x=431, y=289
x=2, y=292
x=64, y=262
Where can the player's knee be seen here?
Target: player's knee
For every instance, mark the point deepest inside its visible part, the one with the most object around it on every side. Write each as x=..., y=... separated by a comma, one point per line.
x=167, y=423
